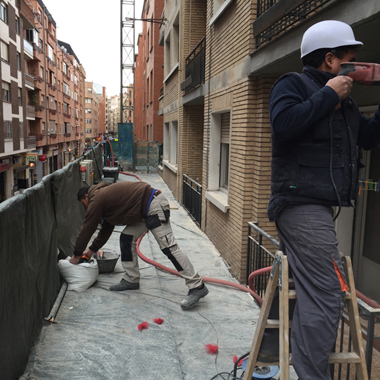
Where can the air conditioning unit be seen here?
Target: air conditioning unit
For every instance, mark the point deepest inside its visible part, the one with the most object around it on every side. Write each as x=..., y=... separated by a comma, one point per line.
x=87, y=172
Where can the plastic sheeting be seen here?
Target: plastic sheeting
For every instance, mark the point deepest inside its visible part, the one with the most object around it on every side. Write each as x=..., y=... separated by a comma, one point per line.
x=34, y=227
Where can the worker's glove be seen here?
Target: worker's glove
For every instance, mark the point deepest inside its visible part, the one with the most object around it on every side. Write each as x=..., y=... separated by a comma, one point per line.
x=84, y=259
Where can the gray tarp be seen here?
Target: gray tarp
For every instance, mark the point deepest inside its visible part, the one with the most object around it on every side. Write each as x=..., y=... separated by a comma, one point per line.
x=34, y=226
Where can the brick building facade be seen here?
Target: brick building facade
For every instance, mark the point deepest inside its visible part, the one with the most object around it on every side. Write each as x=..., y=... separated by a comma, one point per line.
x=218, y=72
x=149, y=62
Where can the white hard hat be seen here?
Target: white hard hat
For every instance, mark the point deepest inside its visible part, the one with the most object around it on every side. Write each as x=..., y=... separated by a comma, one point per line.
x=328, y=34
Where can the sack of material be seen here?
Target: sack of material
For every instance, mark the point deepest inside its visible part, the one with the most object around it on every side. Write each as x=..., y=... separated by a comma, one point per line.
x=78, y=277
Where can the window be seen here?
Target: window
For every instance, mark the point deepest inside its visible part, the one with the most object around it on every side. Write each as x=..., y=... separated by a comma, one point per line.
x=88, y=121
x=59, y=107
x=217, y=191
x=173, y=143
x=88, y=100
x=50, y=52
x=42, y=100
x=3, y=12
x=18, y=61
x=75, y=79
x=40, y=43
x=66, y=88
x=65, y=108
x=88, y=110
x=4, y=51
x=151, y=132
x=52, y=103
x=41, y=72
x=67, y=128
x=43, y=127
x=6, y=92
x=32, y=36
x=90, y=90
x=88, y=130
x=166, y=141
x=17, y=25
x=21, y=130
x=8, y=130
x=19, y=96
x=64, y=67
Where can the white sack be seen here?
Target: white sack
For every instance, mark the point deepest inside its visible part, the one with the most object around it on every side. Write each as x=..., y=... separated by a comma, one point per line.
x=78, y=277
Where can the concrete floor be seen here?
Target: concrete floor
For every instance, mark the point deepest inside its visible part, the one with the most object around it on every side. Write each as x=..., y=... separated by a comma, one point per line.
x=96, y=336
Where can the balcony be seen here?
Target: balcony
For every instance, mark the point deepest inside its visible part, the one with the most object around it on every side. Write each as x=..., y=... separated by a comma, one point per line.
x=26, y=13
x=277, y=16
x=31, y=142
x=67, y=134
x=195, y=67
x=30, y=112
x=29, y=81
x=53, y=135
x=38, y=53
x=28, y=50
x=36, y=136
x=52, y=111
x=38, y=83
x=66, y=115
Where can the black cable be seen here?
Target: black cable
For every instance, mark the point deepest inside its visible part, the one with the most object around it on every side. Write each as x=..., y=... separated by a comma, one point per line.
x=237, y=362
x=331, y=166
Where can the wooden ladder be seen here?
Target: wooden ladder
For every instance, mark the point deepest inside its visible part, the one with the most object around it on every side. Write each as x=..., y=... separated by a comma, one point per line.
x=280, y=277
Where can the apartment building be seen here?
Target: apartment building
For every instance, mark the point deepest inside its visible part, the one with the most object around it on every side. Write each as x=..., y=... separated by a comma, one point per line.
x=15, y=115
x=57, y=96
x=221, y=59
x=149, y=61
x=91, y=114
x=100, y=93
x=114, y=114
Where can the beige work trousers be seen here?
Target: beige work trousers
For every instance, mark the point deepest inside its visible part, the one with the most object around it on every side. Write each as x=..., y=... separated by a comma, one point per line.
x=164, y=236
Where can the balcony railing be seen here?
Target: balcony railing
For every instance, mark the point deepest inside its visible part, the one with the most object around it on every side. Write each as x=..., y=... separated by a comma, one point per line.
x=276, y=16
x=195, y=67
x=30, y=111
x=37, y=136
x=29, y=80
x=192, y=198
x=30, y=142
x=28, y=47
x=261, y=251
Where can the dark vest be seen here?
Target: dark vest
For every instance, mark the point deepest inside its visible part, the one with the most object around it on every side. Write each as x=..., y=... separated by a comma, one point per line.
x=320, y=166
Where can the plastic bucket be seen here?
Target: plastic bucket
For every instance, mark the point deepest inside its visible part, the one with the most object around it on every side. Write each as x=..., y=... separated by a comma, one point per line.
x=108, y=262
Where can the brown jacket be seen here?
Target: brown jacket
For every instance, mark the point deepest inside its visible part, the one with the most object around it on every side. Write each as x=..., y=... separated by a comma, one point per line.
x=122, y=203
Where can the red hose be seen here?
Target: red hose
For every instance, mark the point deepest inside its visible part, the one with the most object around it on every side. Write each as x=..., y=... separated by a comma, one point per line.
x=205, y=279
x=133, y=175
x=111, y=151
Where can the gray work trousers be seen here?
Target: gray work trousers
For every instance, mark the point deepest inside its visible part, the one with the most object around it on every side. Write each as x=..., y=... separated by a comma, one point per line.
x=158, y=222
x=307, y=236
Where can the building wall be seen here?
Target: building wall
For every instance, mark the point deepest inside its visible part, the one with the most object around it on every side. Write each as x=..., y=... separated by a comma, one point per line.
x=139, y=89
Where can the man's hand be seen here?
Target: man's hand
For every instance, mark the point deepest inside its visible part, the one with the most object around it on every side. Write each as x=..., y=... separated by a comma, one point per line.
x=342, y=85
x=75, y=260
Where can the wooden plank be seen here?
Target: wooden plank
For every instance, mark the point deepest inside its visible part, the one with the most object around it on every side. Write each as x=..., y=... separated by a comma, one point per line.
x=344, y=357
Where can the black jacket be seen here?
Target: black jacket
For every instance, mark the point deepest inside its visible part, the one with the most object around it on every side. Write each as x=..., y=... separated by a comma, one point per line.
x=314, y=145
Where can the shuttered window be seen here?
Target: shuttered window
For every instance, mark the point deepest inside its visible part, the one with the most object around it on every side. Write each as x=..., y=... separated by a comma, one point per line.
x=224, y=150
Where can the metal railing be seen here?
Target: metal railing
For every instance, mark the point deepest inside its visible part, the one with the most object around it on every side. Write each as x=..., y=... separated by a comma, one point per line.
x=195, y=67
x=275, y=16
x=192, y=198
x=260, y=254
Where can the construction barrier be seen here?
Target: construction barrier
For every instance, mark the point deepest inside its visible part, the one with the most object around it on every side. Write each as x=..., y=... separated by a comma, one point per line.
x=37, y=228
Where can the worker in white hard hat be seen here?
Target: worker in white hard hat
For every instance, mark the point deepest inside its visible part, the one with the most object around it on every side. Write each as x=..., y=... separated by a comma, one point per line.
x=316, y=128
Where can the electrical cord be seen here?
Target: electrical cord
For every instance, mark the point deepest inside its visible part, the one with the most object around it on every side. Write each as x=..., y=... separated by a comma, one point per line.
x=331, y=166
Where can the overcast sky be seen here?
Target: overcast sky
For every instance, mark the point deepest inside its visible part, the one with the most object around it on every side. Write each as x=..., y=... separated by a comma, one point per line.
x=92, y=28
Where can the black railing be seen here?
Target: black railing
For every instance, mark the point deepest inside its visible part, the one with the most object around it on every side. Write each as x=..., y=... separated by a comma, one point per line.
x=261, y=251
x=275, y=16
x=192, y=198
x=195, y=67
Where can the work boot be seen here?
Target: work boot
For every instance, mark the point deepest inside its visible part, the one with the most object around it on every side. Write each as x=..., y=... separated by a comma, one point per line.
x=125, y=285
x=194, y=296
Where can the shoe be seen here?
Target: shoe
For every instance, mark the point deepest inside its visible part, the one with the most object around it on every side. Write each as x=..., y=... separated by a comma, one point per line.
x=125, y=285
x=267, y=358
x=194, y=296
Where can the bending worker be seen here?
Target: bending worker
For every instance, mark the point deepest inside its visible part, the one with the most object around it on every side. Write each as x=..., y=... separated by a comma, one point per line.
x=316, y=129
x=140, y=207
